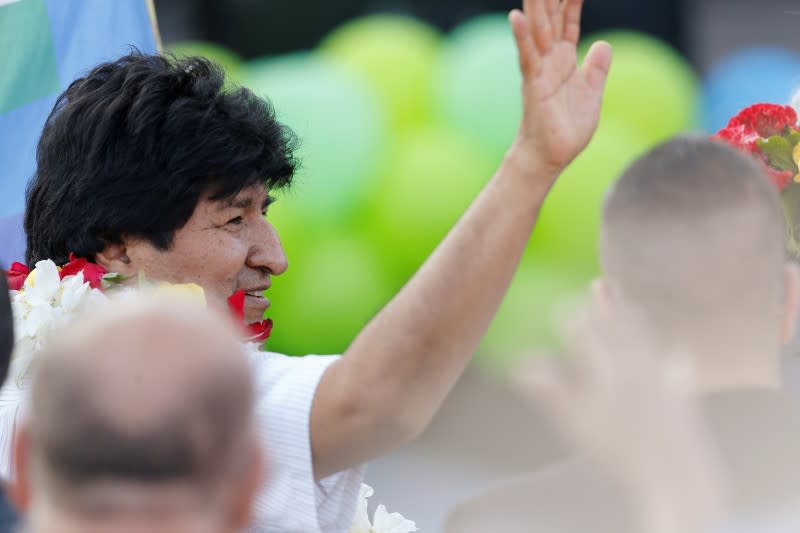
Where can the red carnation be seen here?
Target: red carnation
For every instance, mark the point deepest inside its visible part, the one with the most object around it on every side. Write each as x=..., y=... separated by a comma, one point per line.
x=16, y=276
x=92, y=272
x=766, y=119
x=740, y=136
x=255, y=332
x=259, y=331
x=236, y=305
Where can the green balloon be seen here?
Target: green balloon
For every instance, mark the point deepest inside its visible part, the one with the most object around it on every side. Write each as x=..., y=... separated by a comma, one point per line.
x=340, y=124
x=527, y=322
x=333, y=287
x=397, y=55
x=568, y=227
x=478, y=84
x=229, y=60
x=650, y=86
x=433, y=175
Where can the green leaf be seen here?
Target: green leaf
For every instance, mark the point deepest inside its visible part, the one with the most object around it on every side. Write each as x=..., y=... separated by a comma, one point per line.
x=779, y=153
x=793, y=136
x=112, y=278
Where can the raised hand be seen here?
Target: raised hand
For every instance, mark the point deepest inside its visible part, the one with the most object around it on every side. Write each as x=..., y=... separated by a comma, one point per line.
x=561, y=101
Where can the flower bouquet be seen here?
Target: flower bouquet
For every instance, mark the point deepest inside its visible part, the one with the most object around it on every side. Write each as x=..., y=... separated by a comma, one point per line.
x=771, y=134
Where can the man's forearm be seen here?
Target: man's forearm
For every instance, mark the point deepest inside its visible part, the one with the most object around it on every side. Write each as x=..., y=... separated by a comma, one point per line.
x=409, y=356
x=396, y=373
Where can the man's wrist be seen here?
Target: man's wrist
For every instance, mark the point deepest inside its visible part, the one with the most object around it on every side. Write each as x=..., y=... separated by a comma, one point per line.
x=523, y=164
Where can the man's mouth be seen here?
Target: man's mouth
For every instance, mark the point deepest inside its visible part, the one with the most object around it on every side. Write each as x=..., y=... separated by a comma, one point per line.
x=256, y=298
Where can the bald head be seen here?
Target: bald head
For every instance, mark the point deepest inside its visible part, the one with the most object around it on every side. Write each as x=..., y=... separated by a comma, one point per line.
x=693, y=236
x=143, y=392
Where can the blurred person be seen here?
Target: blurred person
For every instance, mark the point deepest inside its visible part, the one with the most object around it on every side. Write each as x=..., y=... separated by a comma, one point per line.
x=147, y=165
x=692, y=244
x=141, y=419
x=7, y=516
x=633, y=411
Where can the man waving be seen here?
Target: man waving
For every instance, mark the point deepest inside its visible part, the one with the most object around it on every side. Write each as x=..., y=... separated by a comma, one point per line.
x=147, y=165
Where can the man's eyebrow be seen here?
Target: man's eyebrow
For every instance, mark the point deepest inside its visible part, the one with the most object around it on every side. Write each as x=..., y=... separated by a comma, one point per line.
x=238, y=203
x=268, y=201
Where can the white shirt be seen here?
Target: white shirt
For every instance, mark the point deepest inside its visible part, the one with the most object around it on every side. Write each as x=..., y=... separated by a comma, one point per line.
x=291, y=501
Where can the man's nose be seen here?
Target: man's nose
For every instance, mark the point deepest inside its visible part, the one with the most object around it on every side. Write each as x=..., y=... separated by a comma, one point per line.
x=267, y=251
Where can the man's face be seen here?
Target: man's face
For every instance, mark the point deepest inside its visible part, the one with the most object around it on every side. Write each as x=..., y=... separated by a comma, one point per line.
x=226, y=246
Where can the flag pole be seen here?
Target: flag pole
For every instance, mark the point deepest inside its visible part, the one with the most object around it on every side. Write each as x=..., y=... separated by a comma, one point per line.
x=151, y=10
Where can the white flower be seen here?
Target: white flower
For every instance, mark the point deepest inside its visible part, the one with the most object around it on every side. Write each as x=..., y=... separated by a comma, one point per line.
x=45, y=304
x=41, y=285
x=361, y=523
x=383, y=521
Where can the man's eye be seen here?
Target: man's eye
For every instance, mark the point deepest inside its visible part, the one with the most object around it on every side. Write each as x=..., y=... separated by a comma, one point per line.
x=234, y=221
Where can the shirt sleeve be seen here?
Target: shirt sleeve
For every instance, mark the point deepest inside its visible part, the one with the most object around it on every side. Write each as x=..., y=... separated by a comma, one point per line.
x=292, y=501
x=12, y=410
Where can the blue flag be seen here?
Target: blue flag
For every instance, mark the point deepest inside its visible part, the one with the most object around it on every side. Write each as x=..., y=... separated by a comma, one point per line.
x=45, y=45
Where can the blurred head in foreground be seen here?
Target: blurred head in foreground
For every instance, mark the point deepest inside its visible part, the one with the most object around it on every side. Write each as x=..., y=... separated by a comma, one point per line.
x=693, y=242
x=141, y=420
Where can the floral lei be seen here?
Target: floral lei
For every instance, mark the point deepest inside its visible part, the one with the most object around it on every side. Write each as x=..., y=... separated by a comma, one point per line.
x=47, y=297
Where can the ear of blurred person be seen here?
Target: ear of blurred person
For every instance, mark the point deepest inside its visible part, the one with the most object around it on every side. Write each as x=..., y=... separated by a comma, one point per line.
x=140, y=420
x=692, y=245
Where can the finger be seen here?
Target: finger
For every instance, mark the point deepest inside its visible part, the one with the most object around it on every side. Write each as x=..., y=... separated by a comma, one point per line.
x=596, y=66
x=539, y=25
x=528, y=55
x=572, y=20
x=555, y=15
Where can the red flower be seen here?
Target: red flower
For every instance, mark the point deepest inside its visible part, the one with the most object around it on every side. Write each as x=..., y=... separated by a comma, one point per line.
x=236, y=305
x=255, y=332
x=92, y=272
x=16, y=276
x=259, y=331
x=760, y=122
x=766, y=119
x=740, y=136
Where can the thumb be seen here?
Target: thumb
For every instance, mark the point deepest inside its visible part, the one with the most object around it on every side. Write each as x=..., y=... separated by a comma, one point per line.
x=597, y=64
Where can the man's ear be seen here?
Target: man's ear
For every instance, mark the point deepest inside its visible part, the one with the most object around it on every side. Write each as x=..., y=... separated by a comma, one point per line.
x=246, y=491
x=114, y=258
x=791, y=300
x=19, y=491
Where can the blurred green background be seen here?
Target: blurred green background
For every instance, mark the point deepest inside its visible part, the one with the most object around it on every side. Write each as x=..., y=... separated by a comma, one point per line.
x=404, y=110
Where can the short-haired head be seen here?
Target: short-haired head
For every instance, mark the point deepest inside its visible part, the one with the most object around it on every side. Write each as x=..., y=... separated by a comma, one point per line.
x=130, y=149
x=693, y=237
x=142, y=394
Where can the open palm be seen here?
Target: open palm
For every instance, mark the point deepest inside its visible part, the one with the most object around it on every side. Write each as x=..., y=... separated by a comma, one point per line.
x=561, y=100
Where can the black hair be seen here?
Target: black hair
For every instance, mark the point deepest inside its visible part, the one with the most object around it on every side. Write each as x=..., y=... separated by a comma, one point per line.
x=131, y=148
x=6, y=328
